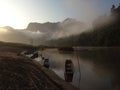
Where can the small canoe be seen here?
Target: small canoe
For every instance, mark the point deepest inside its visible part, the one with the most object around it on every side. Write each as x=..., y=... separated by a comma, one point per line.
x=46, y=63
x=68, y=74
x=35, y=55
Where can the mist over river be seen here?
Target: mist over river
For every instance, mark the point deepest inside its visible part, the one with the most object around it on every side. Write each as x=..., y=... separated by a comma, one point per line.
x=99, y=68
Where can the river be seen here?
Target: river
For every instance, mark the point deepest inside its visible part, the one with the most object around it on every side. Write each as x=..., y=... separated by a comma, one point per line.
x=99, y=68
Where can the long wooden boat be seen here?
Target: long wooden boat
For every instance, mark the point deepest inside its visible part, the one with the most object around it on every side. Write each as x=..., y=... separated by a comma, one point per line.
x=68, y=74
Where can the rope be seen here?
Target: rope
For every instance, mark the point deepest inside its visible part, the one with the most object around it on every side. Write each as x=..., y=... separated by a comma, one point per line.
x=79, y=71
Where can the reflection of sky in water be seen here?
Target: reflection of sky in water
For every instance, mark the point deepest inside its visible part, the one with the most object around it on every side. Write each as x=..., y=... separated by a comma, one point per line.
x=93, y=76
x=59, y=72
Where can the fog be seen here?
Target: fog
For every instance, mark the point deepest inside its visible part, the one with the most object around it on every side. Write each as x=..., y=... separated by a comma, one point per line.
x=87, y=15
x=18, y=36
x=86, y=10
x=39, y=35
x=69, y=27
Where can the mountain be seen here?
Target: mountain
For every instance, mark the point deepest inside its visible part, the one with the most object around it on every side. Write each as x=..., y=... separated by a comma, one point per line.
x=70, y=21
x=45, y=27
x=58, y=29
x=8, y=27
x=39, y=33
x=9, y=34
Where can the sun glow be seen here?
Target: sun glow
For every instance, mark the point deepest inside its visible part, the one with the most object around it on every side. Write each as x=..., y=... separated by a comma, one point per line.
x=9, y=16
x=2, y=30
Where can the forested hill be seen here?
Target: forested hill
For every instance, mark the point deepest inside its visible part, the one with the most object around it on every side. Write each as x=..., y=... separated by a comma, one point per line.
x=106, y=32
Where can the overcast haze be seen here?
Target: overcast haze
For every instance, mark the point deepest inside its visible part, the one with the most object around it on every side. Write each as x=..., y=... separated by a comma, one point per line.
x=18, y=13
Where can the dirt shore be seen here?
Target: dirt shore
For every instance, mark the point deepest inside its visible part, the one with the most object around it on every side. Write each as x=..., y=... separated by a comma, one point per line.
x=21, y=73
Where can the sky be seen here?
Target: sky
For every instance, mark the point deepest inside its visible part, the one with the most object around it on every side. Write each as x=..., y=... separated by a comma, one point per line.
x=19, y=13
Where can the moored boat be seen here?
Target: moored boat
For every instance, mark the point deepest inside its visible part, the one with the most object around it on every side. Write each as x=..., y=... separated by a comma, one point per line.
x=68, y=74
x=46, y=63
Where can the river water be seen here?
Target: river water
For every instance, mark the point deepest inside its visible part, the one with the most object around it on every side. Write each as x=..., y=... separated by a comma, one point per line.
x=99, y=68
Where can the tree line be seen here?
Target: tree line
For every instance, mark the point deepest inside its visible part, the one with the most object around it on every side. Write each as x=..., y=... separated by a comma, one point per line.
x=106, y=32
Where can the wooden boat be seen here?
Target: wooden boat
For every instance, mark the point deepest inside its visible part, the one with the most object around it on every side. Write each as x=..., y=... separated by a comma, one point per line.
x=35, y=55
x=68, y=74
x=46, y=63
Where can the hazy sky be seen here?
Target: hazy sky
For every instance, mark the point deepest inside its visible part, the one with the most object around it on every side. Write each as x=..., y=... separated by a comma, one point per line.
x=18, y=13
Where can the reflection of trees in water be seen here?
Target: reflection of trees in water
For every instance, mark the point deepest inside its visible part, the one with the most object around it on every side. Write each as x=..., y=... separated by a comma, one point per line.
x=107, y=60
